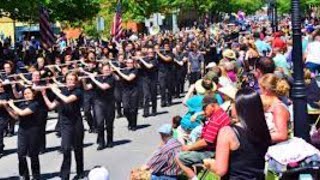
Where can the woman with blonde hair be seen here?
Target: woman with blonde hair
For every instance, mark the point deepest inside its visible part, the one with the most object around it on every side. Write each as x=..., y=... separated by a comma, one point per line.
x=277, y=113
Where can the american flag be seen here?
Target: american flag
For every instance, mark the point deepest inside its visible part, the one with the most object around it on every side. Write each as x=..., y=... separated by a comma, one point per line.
x=116, y=29
x=46, y=33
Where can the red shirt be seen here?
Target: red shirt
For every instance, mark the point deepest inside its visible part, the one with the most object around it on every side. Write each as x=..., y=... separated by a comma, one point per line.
x=210, y=130
x=279, y=43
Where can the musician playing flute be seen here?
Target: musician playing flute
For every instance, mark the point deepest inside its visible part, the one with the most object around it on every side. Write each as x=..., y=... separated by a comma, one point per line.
x=69, y=101
x=4, y=116
x=38, y=86
x=8, y=71
x=28, y=134
x=148, y=66
x=129, y=81
x=104, y=105
x=88, y=95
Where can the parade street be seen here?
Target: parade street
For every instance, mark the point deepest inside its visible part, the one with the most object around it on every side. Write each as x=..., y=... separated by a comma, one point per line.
x=131, y=148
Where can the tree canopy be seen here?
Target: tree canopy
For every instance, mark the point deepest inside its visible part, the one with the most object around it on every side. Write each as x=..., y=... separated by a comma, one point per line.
x=72, y=11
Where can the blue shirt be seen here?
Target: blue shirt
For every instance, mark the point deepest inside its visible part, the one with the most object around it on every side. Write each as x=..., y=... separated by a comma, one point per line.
x=194, y=105
x=262, y=46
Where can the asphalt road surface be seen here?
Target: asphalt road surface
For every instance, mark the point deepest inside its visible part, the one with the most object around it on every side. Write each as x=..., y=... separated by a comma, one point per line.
x=131, y=149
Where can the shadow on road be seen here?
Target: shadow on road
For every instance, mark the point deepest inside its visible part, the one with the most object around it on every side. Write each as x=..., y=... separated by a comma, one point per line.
x=10, y=178
x=8, y=152
x=121, y=142
x=142, y=126
x=162, y=112
x=176, y=103
x=44, y=176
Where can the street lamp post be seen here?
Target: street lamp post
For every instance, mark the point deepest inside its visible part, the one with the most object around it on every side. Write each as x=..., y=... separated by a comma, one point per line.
x=301, y=128
x=274, y=15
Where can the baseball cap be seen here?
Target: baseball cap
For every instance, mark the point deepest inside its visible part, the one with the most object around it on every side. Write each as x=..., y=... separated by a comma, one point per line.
x=99, y=173
x=209, y=99
x=165, y=129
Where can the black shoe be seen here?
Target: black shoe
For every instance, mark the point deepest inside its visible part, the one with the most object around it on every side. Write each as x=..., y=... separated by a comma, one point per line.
x=58, y=134
x=24, y=177
x=42, y=151
x=91, y=130
x=9, y=134
x=36, y=177
x=109, y=145
x=1, y=154
x=79, y=176
x=146, y=115
x=100, y=147
x=129, y=128
x=134, y=128
x=119, y=116
x=154, y=113
x=163, y=104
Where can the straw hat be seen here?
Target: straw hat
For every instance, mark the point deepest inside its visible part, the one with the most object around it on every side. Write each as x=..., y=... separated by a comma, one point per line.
x=228, y=53
x=229, y=91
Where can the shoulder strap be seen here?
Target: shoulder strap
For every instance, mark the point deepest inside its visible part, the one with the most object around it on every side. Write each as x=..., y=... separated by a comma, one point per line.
x=235, y=129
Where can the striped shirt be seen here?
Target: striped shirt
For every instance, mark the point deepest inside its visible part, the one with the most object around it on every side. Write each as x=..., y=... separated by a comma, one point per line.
x=162, y=162
x=210, y=131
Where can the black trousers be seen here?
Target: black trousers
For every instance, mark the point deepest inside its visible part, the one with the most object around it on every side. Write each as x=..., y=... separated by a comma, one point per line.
x=105, y=114
x=140, y=92
x=87, y=107
x=58, y=125
x=179, y=83
x=11, y=124
x=130, y=105
x=166, y=87
x=3, y=128
x=194, y=76
x=118, y=97
x=28, y=145
x=150, y=94
x=44, y=115
x=71, y=138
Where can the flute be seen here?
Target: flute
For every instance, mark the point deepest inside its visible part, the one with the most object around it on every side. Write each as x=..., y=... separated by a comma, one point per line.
x=12, y=82
x=113, y=67
x=43, y=87
x=16, y=75
x=19, y=100
x=85, y=77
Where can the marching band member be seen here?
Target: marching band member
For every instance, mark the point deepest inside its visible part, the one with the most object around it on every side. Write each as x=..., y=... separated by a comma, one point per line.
x=38, y=86
x=104, y=105
x=118, y=88
x=165, y=60
x=130, y=92
x=28, y=133
x=4, y=116
x=72, y=131
x=8, y=76
x=88, y=95
x=149, y=82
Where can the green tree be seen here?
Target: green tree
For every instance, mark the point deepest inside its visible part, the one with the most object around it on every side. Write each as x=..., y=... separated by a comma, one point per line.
x=71, y=11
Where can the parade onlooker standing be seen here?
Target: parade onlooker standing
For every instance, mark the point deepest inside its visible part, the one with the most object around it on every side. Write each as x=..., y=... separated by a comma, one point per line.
x=195, y=64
